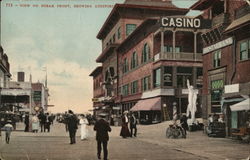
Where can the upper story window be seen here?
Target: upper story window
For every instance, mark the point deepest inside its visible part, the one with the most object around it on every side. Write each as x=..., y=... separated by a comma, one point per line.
x=125, y=90
x=146, y=83
x=218, y=8
x=114, y=38
x=134, y=87
x=119, y=33
x=157, y=78
x=183, y=74
x=134, y=60
x=167, y=76
x=130, y=28
x=245, y=50
x=217, y=58
x=145, y=53
x=125, y=65
x=168, y=48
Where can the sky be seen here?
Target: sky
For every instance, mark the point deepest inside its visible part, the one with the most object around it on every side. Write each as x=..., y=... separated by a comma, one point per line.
x=60, y=40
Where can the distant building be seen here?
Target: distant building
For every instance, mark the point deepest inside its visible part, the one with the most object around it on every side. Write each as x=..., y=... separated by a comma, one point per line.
x=226, y=61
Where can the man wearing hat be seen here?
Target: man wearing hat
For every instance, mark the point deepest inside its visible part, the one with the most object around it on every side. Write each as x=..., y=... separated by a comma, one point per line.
x=72, y=126
x=8, y=128
x=102, y=128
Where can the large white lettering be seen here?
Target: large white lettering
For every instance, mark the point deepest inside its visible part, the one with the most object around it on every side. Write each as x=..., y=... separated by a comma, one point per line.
x=181, y=22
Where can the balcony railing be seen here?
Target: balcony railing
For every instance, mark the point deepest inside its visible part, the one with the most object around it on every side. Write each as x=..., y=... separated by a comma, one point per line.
x=178, y=56
x=220, y=19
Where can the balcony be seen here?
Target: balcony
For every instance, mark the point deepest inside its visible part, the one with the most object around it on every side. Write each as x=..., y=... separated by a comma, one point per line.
x=220, y=19
x=182, y=56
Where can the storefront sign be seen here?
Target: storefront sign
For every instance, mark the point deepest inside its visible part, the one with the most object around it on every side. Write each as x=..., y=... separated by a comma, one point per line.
x=15, y=92
x=181, y=22
x=218, y=45
x=233, y=88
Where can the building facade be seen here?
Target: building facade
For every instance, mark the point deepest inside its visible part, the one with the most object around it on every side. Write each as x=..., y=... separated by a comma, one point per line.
x=225, y=61
x=145, y=61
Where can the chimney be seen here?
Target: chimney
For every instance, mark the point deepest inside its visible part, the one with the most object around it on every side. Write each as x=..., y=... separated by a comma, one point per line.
x=20, y=76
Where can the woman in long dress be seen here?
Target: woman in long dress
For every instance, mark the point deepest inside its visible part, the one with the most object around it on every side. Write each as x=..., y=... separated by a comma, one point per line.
x=124, y=130
x=35, y=123
x=84, y=131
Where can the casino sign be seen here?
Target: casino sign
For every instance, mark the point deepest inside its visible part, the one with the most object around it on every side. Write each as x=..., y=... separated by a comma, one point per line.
x=185, y=22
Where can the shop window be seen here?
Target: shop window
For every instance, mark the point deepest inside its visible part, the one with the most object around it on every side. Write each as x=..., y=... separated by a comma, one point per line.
x=134, y=87
x=134, y=60
x=125, y=65
x=119, y=33
x=146, y=83
x=245, y=50
x=167, y=76
x=130, y=28
x=125, y=90
x=157, y=78
x=217, y=58
x=145, y=53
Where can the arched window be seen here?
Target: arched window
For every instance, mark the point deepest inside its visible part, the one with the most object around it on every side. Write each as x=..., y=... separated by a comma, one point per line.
x=134, y=60
x=145, y=53
x=125, y=65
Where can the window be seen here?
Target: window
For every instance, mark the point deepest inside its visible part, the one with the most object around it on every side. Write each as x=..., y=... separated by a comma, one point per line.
x=134, y=60
x=199, y=79
x=245, y=50
x=146, y=83
x=114, y=38
x=125, y=65
x=157, y=77
x=183, y=74
x=125, y=90
x=168, y=48
x=167, y=76
x=216, y=94
x=217, y=58
x=130, y=28
x=119, y=33
x=134, y=87
x=145, y=53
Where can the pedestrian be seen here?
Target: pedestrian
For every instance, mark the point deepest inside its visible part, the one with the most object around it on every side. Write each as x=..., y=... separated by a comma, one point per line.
x=42, y=119
x=102, y=128
x=65, y=120
x=84, y=131
x=124, y=130
x=8, y=128
x=35, y=123
x=184, y=123
x=133, y=123
x=26, y=122
x=72, y=126
x=47, y=123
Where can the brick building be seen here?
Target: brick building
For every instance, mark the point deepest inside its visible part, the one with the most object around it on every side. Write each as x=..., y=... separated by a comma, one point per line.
x=145, y=65
x=226, y=54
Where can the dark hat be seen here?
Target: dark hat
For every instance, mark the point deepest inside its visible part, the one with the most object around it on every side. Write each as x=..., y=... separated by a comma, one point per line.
x=70, y=111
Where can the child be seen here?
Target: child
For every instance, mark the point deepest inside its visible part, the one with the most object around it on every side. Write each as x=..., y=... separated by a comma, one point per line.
x=8, y=128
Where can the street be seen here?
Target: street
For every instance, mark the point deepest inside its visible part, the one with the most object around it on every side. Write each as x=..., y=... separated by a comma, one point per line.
x=150, y=144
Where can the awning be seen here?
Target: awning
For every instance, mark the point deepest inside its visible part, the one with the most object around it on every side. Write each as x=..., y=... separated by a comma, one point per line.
x=153, y=104
x=241, y=106
x=240, y=22
x=230, y=100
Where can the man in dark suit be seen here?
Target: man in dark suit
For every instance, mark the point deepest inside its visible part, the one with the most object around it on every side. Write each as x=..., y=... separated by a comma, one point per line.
x=102, y=128
x=133, y=123
x=72, y=126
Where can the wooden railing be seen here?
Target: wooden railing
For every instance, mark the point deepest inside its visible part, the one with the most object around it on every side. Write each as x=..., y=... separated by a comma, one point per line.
x=178, y=56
